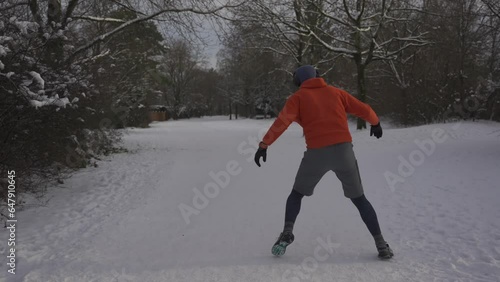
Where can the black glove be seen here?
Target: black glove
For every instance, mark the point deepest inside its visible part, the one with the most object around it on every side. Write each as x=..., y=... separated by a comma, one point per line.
x=376, y=130
x=261, y=152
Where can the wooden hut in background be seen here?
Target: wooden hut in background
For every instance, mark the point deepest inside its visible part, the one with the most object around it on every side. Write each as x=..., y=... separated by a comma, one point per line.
x=158, y=113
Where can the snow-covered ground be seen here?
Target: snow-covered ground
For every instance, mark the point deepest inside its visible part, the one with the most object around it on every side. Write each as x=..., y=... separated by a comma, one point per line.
x=137, y=217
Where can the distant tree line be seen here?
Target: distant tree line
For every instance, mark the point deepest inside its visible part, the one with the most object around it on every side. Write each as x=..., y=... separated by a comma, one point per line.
x=416, y=62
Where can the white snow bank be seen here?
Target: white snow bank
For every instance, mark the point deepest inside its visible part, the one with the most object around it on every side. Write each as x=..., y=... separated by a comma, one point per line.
x=38, y=78
x=3, y=51
x=25, y=26
x=5, y=39
x=60, y=102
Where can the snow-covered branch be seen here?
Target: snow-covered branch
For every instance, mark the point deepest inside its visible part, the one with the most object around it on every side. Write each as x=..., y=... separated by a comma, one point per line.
x=329, y=16
x=348, y=12
x=6, y=6
x=146, y=18
x=415, y=39
x=99, y=19
x=330, y=47
x=392, y=54
x=69, y=11
x=493, y=6
x=35, y=11
x=127, y=7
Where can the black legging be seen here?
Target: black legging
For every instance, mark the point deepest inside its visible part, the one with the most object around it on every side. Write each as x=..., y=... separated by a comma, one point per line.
x=367, y=214
x=365, y=209
x=293, y=207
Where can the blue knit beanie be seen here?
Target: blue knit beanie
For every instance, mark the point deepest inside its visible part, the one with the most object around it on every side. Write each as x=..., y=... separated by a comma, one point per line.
x=304, y=73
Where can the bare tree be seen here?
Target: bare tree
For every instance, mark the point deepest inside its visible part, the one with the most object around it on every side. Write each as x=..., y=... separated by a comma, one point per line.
x=178, y=68
x=255, y=73
x=372, y=35
x=57, y=17
x=279, y=30
x=493, y=6
x=354, y=29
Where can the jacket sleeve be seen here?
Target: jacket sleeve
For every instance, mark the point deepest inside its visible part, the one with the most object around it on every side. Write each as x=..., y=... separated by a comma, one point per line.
x=289, y=114
x=355, y=107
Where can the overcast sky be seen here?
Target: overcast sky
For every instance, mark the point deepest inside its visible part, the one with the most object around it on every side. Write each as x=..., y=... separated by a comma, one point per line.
x=211, y=50
x=207, y=31
x=213, y=44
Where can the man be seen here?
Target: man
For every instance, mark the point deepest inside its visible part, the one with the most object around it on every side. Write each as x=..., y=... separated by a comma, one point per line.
x=321, y=110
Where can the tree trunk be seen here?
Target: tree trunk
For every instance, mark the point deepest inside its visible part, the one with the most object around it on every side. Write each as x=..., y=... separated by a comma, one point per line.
x=300, y=46
x=361, y=91
x=492, y=115
x=493, y=57
x=54, y=46
x=492, y=103
x=406, y=111
x=360, y=67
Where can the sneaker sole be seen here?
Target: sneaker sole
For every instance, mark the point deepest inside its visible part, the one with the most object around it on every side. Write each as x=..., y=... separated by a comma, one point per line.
x=385, y=257
x=279, y=249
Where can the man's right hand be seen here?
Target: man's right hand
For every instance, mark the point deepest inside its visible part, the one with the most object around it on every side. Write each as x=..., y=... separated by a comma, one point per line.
x=261, y=153
x=376, y=130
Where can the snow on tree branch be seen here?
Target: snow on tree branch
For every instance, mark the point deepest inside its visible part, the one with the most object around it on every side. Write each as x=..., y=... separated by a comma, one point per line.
x=5, y=6
x=99, y=19
x=493, y=6
x=149, y=17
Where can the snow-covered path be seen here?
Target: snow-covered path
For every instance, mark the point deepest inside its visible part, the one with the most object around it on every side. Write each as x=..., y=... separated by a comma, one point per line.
x=122, y=221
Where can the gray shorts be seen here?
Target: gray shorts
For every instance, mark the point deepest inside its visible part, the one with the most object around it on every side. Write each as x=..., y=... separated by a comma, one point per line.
x=338, y=158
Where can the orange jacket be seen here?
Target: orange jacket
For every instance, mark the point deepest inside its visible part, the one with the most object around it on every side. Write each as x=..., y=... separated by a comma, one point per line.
x=321, y=110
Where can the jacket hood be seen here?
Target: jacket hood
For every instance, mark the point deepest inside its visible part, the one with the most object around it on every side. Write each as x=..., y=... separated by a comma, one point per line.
x=317, y=82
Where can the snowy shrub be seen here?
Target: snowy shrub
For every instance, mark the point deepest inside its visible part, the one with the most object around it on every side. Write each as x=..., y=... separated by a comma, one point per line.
x=41, y=104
